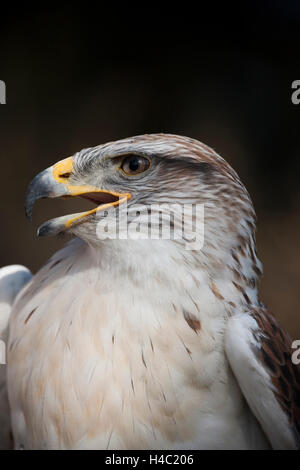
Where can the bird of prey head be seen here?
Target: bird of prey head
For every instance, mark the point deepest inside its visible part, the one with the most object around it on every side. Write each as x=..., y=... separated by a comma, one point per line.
x=153, y=170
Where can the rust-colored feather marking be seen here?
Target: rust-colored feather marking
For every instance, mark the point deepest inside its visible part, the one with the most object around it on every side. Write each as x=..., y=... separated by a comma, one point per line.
x=216, y=291
x=248, y=301
x=143, y=360
x=237, y=286
x=192, y=321
x=152, y=347
x=275, y=353
x=56, y=263
x=29, y=316
x=236, y=259
x=132, y=386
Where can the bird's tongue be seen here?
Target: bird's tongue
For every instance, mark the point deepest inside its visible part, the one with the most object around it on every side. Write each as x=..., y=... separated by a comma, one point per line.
x=100, y=198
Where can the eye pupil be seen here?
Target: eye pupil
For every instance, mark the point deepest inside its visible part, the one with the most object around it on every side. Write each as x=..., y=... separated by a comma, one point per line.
x=134, y=164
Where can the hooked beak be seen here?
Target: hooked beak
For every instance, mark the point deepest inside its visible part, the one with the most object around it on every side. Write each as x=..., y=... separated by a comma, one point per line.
x=55, y=182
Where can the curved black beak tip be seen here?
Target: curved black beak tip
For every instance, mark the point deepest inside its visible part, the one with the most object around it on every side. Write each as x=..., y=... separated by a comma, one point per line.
x=28, y=208
x=39, y=187
x=32, y=194
x=43, y=231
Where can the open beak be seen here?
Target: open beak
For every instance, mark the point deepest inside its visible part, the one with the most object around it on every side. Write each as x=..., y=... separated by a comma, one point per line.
x=55, y=182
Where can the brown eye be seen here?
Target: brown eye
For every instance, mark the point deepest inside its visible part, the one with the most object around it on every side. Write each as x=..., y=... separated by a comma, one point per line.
x=134, y=164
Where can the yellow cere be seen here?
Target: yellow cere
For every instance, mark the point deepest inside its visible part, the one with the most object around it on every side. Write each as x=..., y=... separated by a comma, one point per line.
x=65, y=167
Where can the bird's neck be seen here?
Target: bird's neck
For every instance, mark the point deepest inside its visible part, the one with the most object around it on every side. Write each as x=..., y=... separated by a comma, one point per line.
x=167, y=270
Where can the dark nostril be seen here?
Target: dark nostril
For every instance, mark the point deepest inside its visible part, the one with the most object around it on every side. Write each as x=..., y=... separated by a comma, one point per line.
x=65, y=175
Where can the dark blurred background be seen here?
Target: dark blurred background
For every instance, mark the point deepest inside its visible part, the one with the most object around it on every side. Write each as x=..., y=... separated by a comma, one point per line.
x=77, y=77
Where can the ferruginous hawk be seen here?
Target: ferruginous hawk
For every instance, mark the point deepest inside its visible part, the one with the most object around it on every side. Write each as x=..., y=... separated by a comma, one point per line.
x=142, y=343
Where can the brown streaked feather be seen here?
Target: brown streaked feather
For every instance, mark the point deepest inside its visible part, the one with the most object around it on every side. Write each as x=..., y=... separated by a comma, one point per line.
x=275, y=354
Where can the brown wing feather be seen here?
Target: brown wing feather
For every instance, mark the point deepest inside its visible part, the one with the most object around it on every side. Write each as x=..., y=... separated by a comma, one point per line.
x=276, y=355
